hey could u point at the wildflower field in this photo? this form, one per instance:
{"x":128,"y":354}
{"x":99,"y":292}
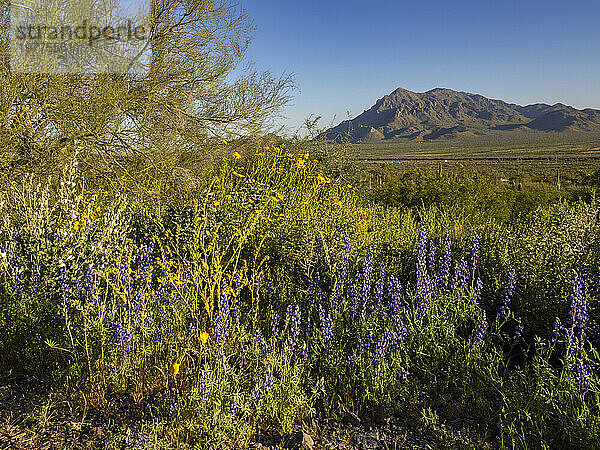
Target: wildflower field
{"x":268,"y":294}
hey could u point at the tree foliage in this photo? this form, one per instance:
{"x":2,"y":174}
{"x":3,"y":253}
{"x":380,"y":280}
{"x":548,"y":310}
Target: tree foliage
{"x":195,"y":85}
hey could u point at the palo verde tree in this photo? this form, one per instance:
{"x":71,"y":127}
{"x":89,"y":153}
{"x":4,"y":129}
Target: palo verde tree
{"x":186,"y":83}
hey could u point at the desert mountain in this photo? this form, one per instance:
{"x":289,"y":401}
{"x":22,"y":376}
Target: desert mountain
{"x":444,"y":113}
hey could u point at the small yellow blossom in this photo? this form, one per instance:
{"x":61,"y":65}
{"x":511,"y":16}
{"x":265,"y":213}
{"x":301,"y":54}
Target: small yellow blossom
{"x":175,"y":368}
{"x":323,"y":179}
{"x":204,"y":337}
{"x":236,"y":155}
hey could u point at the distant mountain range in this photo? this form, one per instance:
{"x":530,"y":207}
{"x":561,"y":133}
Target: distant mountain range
{"x":446,"y":114}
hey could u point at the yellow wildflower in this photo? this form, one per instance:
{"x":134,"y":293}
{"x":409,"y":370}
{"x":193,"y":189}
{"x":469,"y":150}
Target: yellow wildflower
{"x":204,"y":337}
{"x":322,"y":179}
{"x":236,"y":155}
{"x":175,"y":368}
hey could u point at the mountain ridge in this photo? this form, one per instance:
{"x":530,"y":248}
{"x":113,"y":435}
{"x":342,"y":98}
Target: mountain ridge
{"x":443,"y":113}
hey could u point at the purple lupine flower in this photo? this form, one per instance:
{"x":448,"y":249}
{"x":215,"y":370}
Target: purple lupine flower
{"x":233,"y":408}
{"x":364,"y":345}
{"x":427,"y":294}
{"x":294,"y":316}
{"x":187,"y":277}
{"x":379,"y":287}
{"x":255,"y":395}
{"x":136,"y":318}
{"x":446,"y":261}
{"x":18,"y":286}
{"x":122,"y":336}
{"x":35,"y":273}
{"x":583,"y":372}
{"x":242,"y":360}
{"x":304,"y":352}
{"x":274,"y":325}
{"x":389,"y":342}
{"x":579,"y":306}
{"x":269,"y":381}
{"x":260,"y":343}
{"x":395,"y":297}
{"x":315,"y":293}
{"x":367,"y":279}
{"x":557,"y":330}
{"x":270,"y":288}
{"x":79,"y":285}
{"x":353,"y":298}
{"x":203,"y":389}
{"x":173,"y":408}
{"x":222,"y":323}
{"x":145,"y":261}
{"x":90,"y":286}
{"x":326,"y":326}
{"x":518,"y":331}
{"x":510,"y":290}
{"x":346,"y":243}
{"x":476,"y":294}
{"x":161,"y":330}
{"x":320,"y":384}
{"x":461,"y":275}
{"x":480,"y":330}
{"x":129,"y":441}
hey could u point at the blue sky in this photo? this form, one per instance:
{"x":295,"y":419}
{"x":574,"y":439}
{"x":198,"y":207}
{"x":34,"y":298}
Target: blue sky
{"x":347,"y":54}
